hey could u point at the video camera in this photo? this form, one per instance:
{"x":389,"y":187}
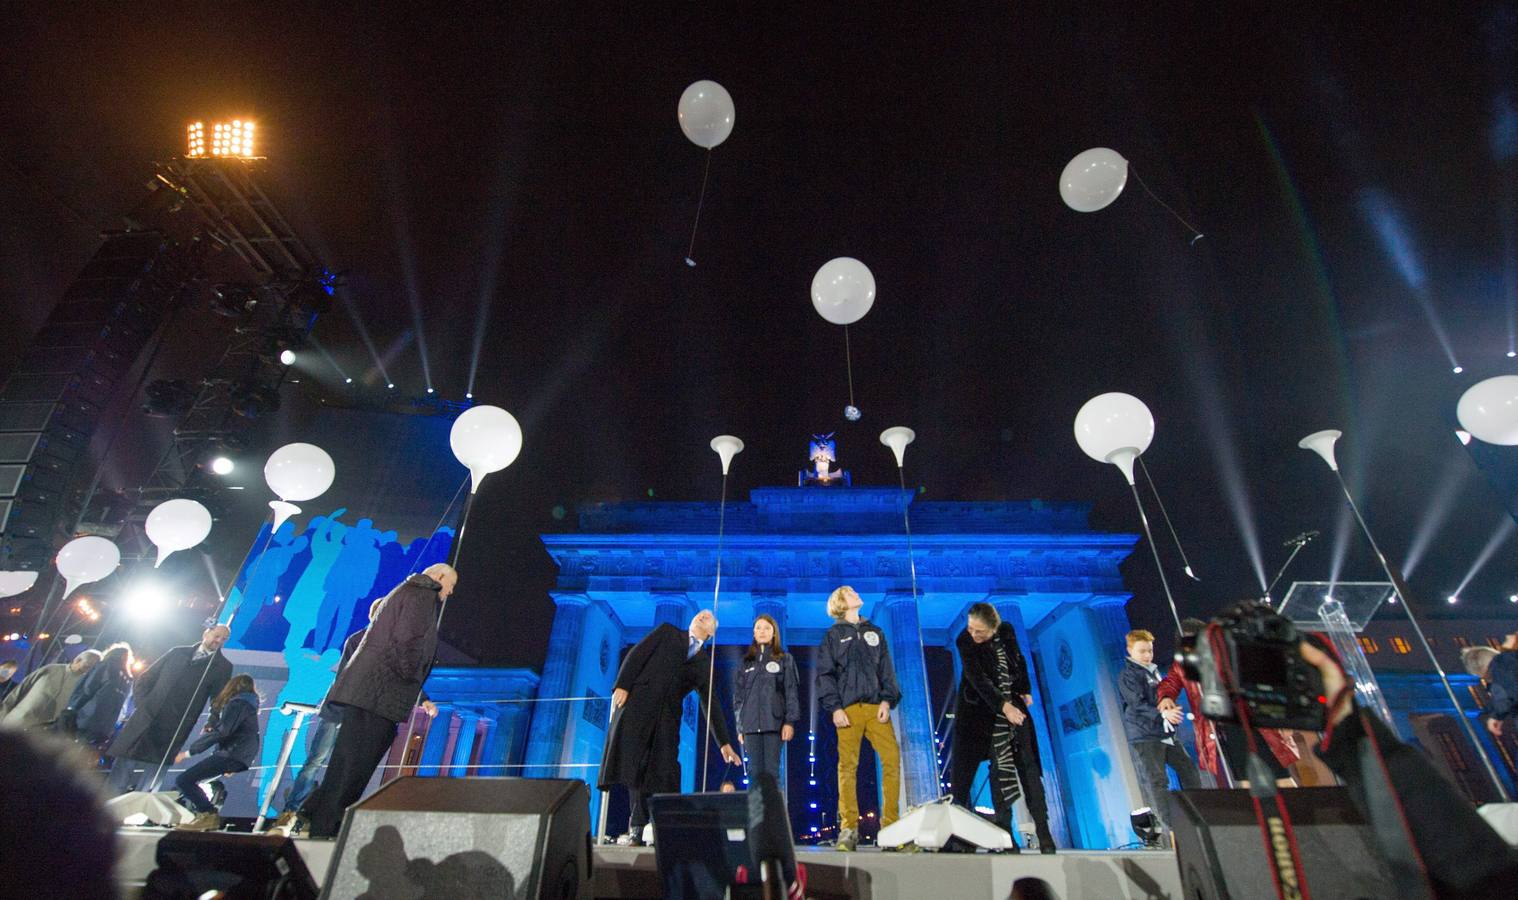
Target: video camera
{"x":1249,"y":656}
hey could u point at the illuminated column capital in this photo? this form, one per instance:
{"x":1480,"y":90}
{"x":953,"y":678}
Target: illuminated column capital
{"x":673,"y":607}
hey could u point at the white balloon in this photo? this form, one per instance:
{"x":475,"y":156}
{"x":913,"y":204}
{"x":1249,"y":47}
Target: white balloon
{"x":297,"y":472}
{"x":727,"y":447}
{"x":1093,"y":179}
{"x":85,"y":560}
{"x":177,"y":525}
{"x":1115,"y":428}
{"x":1489,"y":410}
{"x":843,"y":290}
{"x":706,"y":113}
{"x":485,"y":439}
{"x":13,"y":583}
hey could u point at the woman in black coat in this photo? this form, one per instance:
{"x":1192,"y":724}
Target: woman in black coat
{"x":991,"y":723}
{"x":766,"y":701}
{"x":232,"y":731}
{"x":95,"y":705}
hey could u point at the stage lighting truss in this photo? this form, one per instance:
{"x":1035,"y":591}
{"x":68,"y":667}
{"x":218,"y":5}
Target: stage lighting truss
{"x":232,"y":139}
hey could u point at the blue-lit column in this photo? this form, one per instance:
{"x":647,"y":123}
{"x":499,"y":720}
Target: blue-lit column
{"x":545,"y":739}
{"x":1109,"y":613}
{"x":914,"y":714}
{"x":1009,"y":607}
{"x":463,"y":745}
{"x":675,"y":608}
{"x":435,"y":744}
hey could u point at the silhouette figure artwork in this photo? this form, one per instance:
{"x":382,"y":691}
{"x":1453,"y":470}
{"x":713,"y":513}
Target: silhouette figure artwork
{"x":459,"y":876}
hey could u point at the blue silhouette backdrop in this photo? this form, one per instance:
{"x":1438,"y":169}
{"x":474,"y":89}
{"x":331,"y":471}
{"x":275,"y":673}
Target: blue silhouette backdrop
{"x":304,"y":593}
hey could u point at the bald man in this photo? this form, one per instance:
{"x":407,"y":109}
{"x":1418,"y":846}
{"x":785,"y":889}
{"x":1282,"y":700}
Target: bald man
{"x":168,"y":699}
{"x":376,"y":691}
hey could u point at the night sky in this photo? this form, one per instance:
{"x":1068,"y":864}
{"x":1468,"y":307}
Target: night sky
{"x":517,"y":173}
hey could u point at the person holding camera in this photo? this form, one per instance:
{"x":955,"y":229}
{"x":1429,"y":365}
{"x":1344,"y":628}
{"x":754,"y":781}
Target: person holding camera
{"x":1151,"y":733}
{"x":1220,"y":742}
{"x":1499,"y":668}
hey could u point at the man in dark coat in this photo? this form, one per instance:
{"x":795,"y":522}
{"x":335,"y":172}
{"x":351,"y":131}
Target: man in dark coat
{"x":377,"y":690}
{"x":991,"y":723}
{"x":643,"y":742}
{"x":169,"y":698}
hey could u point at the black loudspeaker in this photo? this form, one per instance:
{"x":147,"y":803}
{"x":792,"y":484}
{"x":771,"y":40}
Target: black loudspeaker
{"x":1222,"y":852}
{"x":464,"y":838}
{"x":240,"y":866}
{"x":700,"y":840}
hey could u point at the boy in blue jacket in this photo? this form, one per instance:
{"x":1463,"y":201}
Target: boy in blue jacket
{"x":1151,"y":733}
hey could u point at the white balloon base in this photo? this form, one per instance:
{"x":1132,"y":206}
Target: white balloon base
{"x":1503,"y":817}
{"x":144,"y":808}
{"x":932,"y":825}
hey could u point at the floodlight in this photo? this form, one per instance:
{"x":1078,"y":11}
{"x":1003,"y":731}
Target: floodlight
{"x":234,"y":138}
{"x":287,"y":357}
{"x":222,"y":465}
{"x":146,"y":602}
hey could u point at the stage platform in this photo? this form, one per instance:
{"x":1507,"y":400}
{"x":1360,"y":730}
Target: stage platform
{"x":622,"y":872}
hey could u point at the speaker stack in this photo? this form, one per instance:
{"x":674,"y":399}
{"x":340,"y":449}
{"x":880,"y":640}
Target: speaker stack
{"x":465,"y":838}
{"x":1222,"y":853}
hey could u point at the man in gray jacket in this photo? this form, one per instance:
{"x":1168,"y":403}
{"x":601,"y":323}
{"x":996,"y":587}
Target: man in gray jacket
{"x":377,"y":691}
{"x":37,"y":701}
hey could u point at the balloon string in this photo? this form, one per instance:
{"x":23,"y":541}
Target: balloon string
{"x":689,"y":259}
{"x":1173,"y":536}
{"x":1134,"y":172}
{"x":848,"y":363}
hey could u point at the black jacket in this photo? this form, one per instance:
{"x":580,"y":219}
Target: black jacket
{"x":643,"y":741}
{"x":1502,"y":688}
{"x":768,"y":693}
{"x":1138,"y":692}
{"x":980,"y":695}
{"x":386,"y":672}
{"x":96,"y":702}
{"x":854,"y":666}
{"x":1402,"y":795}
{"x":169,"y":697}
{"x":328,"y":711}
{"x":233,"y":730}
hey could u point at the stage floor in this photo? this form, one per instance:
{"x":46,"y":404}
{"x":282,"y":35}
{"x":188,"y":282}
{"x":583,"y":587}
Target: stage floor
{"x":622,"y":872}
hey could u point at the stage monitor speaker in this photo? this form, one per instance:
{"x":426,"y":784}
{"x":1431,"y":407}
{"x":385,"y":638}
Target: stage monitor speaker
{"x":1222,"y":853}
{"x":465,"y":838}
{"x":700,"y":840}
{"x":192,"y":864}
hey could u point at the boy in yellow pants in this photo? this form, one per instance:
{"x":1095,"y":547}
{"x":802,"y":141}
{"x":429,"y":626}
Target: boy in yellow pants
{"x":856,"y":687}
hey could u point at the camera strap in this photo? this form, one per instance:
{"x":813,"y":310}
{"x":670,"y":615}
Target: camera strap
{"x":1281,"y":851}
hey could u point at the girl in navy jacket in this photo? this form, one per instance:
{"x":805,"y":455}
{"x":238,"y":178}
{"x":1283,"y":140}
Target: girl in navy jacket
{"x":233,"y":731}
{"x":767,"y":702}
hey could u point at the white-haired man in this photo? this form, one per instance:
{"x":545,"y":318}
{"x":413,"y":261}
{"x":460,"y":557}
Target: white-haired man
{"x":643,"y":742}
{"x":37,"y":701}
{"x":377,"y":690}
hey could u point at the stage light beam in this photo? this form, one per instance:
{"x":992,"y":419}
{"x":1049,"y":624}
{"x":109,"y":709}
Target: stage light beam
{"x":1504,"y":530}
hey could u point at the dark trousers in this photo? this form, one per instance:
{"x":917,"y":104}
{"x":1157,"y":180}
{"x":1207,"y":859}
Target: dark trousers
{"x":637,"y":800}
{"x":212,"y":766}
{"x":1150,"y":759}
{"x":361,"y":744}
{"x":972,"y":746}
{"x":129,"y":775}
{"x":763,"y":751}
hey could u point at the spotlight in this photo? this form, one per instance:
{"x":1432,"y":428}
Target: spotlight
{"x":391,"y":385}
{"x":1512,"y":353}
{"x":1512,"y":598}
{"x":347,"y":381}
{"x":146,"y":602}
{"x":287,"y":357}
{"x":222,"y":466}
{"x":469,"y":396}
{"x":1452,"y":599}
{"x":429,"y":390}
{"x":1458,"y":369}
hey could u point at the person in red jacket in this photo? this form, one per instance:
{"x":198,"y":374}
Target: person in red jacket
{"x":1229,"y":736}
